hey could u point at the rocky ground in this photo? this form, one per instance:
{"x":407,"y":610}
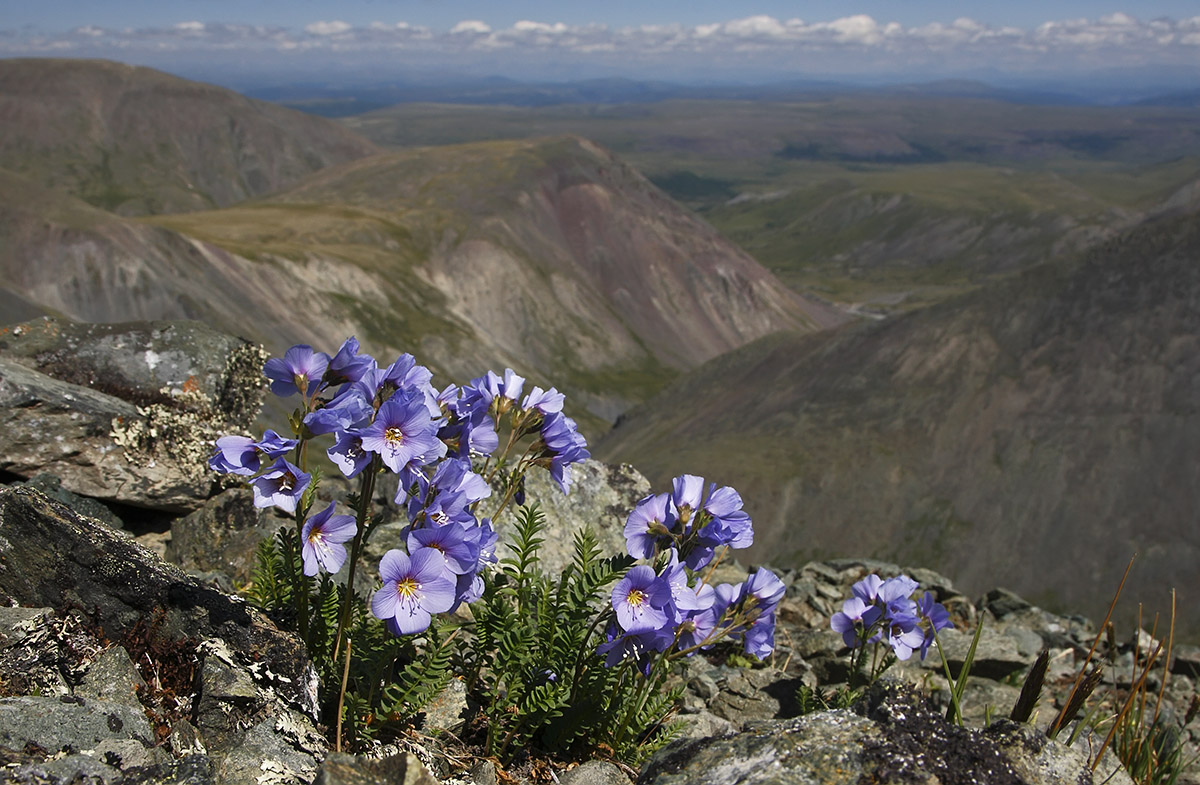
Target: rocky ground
{"x":117,"y":666}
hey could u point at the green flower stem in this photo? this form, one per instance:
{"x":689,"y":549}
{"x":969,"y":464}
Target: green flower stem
{"x":523,"y":465}
{"x":366,"y":491}
{"x":642,"y":693}
{"x":583,"y":647}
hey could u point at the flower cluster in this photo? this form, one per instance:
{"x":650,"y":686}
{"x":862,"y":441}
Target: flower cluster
{"x":882,"y":612}
{"x":670,"y":607}
{"x":392,"y":419}
{"x":693,"y":520}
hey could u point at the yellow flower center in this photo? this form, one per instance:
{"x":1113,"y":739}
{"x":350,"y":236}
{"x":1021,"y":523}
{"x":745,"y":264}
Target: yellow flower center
{"x":407,"y":588}
{"x":393,"y":435}
{"x":636,"y":597}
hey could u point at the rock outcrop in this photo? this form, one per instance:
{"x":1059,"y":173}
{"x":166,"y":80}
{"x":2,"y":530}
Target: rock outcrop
{"x":124,"y":413}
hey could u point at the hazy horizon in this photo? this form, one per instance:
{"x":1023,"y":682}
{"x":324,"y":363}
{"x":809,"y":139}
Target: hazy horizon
{"x":1021,"y":43}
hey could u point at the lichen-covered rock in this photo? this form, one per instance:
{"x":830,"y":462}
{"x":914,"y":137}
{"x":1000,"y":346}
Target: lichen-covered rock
{"x":601,"y":497}
{"x":892,"y":736}
{"x":342,"y":769}
{"x":124,"y":413}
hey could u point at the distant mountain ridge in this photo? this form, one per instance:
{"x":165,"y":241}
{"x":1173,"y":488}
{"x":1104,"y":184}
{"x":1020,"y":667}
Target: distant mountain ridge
{"x":136,"y":141}
{"x":551,"y":256}
{"x":1033,"y":435}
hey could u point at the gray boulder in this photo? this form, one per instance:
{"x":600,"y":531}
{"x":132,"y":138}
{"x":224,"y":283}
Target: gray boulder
{"x":601,"y":497}
{"x":124,"y":413}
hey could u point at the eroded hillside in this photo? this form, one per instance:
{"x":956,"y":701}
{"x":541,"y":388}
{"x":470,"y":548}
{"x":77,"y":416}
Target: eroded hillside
{"x":1032,"y":435}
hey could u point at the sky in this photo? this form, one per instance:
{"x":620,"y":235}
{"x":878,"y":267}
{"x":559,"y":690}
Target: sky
{"x":678,"y":40}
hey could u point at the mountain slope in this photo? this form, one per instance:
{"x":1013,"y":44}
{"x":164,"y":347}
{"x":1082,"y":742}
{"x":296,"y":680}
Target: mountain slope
{"x":1034,"y":434}
{"x":62,"y":256}
{"x":551,"y":256}
{"x":137,"y":141}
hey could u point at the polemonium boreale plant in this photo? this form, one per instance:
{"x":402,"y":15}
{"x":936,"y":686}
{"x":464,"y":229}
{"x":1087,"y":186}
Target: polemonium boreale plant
{"x":375,"y":422}
{"x":883,"y":616}
{"x":575,"y":662}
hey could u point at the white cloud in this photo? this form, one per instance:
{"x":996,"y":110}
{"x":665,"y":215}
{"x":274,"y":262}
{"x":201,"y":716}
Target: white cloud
{"x":851,"y":43}
{"x":335,"y":27}
{"x":755,"y":26}
{"x":471,"y":26}
{"x":527,"y":26}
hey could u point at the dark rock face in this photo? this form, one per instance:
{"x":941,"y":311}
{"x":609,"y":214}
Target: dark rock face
{"x":120,"y":584}
{"x":221,"y":536}
{"x":124,"y":413}
{"x":248,"y":686}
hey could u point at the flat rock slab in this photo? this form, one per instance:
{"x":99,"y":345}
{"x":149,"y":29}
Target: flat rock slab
{"x":68,"y":724}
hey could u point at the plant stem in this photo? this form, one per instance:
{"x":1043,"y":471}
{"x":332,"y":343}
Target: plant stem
{"x":511,"y":487}
{"x":337,"y":740}
{"x":366,"y":491}
{"x":1059,"y":720}
{"x":607,"y":614}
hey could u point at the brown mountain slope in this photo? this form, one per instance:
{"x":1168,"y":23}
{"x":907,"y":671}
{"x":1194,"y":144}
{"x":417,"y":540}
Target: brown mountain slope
{"x":1033,"y":435}
{"x":138,"y":141}
{"x":551,"y":257}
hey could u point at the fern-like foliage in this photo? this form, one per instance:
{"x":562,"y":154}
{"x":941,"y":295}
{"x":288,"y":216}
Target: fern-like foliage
{"x":537,"y":675}
{"x":271,"y":578}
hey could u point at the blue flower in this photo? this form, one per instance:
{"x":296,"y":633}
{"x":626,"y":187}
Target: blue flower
{"x":348,"y":454}
{"x":545,"y":401}
{"x":459,"y":546}
{"x":446,"y":496}
{"x":648,"y":525}
{"x":235,"y":455}
{"x":403,"y":432}
{"x":322,"y":536}
{"x":281,"y":485}
{"x":687,"y":496}
{"x":242,"y":455}
{"x":641,"y":599}
{"x":759,"y":640}
{"x":413,"y":589}
{"x":766,"y":590}
{"x":300,"y":371}
{"x":638,"y":646}
{"x":349,"y":408}
{"x":348,"y":365}
{"x":855,"y":620}
{"x":559,"y":446}
{"x":934,"y":617}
